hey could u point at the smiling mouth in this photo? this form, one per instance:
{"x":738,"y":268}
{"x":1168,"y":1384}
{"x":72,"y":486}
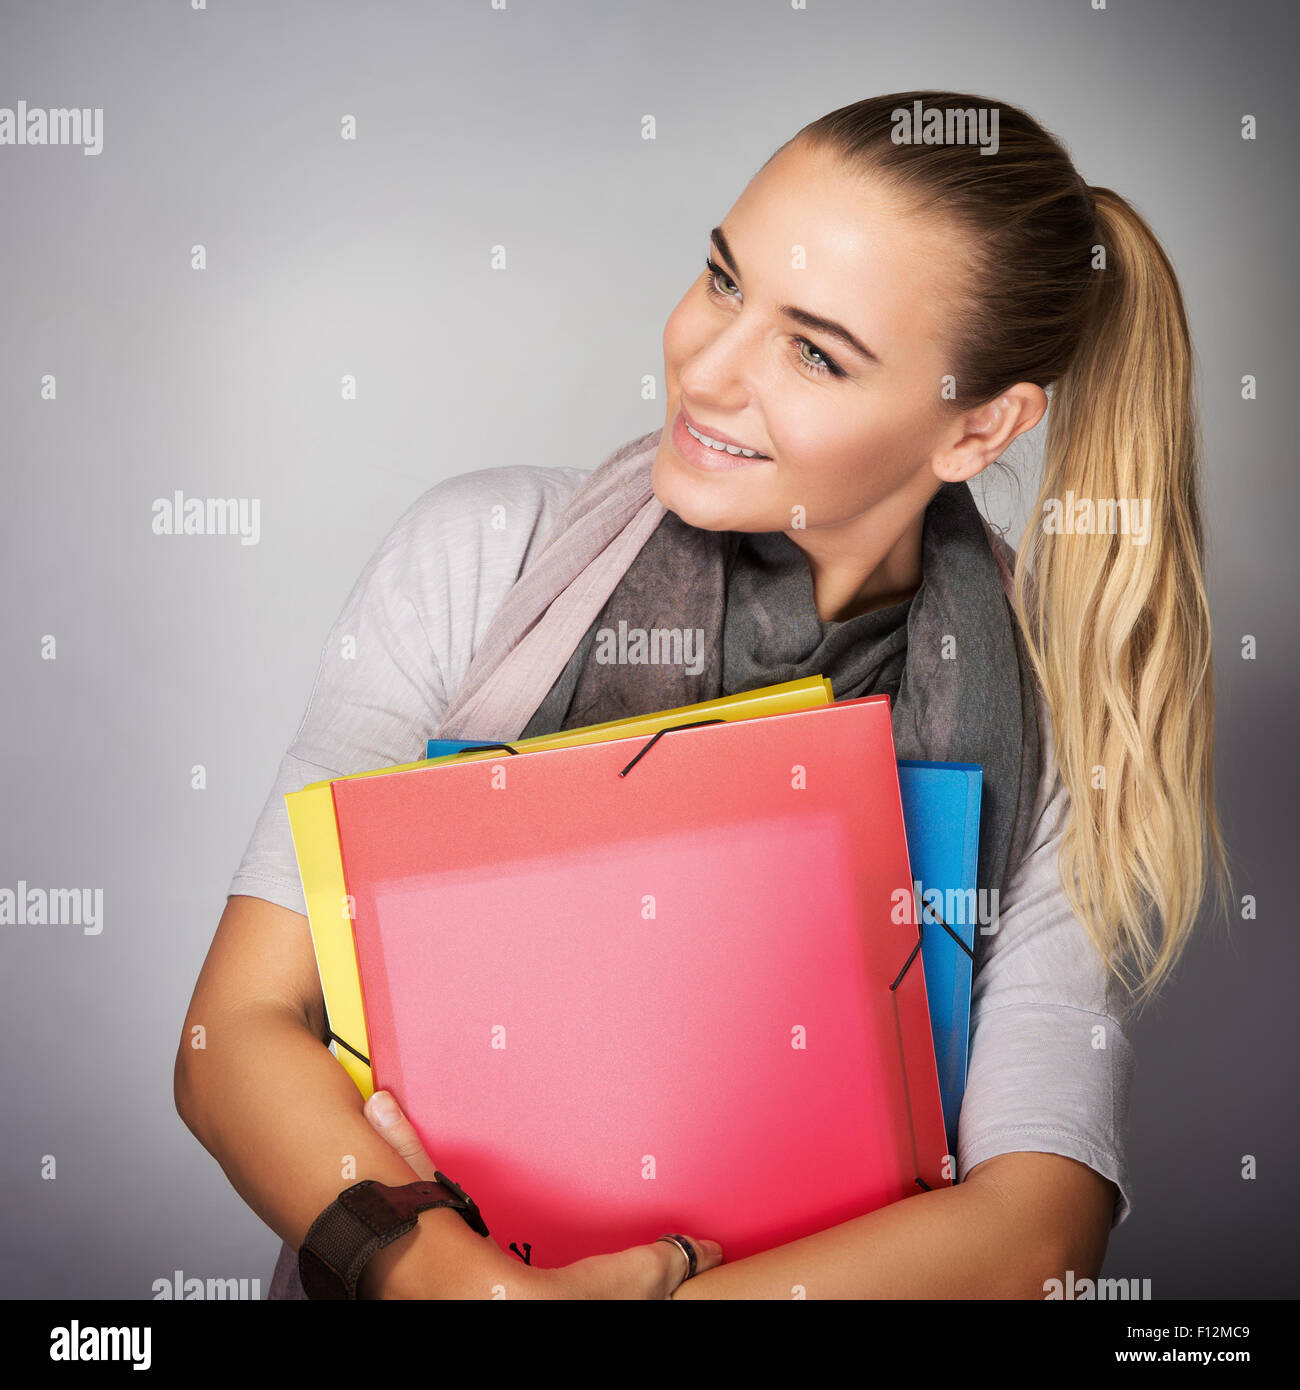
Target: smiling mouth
{"x":722,"y":448}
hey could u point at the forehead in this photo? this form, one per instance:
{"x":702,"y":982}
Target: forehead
{"x":870,"y":260}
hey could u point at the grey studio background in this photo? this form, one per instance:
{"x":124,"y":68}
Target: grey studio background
{"x":518,"y":126}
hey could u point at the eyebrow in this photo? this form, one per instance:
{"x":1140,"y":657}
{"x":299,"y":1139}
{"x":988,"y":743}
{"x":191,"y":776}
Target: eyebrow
{"x":800,"y":316}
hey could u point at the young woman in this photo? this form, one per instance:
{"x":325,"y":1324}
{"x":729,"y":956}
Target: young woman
{"x":882,"y":313}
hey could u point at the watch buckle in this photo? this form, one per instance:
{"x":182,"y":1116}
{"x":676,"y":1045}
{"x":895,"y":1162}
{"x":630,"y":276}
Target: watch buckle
{"x":473,"y":1215}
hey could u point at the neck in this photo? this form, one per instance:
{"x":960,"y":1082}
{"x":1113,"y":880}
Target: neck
{"x":870,"y":563}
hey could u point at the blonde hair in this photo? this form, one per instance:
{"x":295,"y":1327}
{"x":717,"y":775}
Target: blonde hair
{"x":1072,"y":291}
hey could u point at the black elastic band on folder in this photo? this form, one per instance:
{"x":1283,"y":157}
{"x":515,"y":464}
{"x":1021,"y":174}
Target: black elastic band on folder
{"x":348,"y":1047}
{"x":334,"y":1037}
{"x":672,"y":728}
{"x":483,"y":748}
{"x":920,"y":934}
{"x":907,"y":964}
{"x":926,"y":908}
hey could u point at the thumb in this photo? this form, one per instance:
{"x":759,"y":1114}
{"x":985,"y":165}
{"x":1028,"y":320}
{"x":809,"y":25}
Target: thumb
{"x":385,"y":1116}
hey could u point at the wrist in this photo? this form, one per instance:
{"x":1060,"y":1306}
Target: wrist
{"x":415,"y":1265}
{"x":419,"y":1265}
{"x":389,"y":1272}
{"x":371,"y":1218}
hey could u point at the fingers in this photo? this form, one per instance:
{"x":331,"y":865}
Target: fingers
{"x":385,"y":1116}
{"x":654,"y":1271}
{"x":708,"y":1255}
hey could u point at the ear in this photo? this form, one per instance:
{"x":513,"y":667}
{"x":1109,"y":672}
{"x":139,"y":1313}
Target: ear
{"x":980,"y":436}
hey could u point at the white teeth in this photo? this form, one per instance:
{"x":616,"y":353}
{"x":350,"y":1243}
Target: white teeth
{"x":724,"y":448}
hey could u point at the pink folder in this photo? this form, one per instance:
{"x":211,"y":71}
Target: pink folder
{"x":618,"y":1005}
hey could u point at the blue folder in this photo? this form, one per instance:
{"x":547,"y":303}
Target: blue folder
{"x":941,"y":814}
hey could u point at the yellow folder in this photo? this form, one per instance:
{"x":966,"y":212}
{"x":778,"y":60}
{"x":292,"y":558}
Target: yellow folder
{"x":320,"y":863}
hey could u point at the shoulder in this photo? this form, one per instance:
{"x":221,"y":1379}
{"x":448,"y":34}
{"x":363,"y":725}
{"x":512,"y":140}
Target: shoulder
{"x":510,"y":507}
{"x":443,"y":568}
{"x":520,"y":485}
{"x":471,"y":536}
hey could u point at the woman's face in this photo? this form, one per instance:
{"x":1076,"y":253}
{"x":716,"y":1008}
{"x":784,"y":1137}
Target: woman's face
{"x":849,"y":439}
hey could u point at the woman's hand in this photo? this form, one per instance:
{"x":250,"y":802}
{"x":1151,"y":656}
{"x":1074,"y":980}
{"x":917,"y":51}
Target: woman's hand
{"x":642,"y":1271}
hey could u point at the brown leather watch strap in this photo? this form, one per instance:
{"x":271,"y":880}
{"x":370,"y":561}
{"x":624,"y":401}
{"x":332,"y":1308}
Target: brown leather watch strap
{"x":361,"y":1221}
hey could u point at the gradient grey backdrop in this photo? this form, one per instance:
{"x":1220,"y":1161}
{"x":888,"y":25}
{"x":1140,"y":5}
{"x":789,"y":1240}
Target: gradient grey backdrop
{"x":519,"y":127}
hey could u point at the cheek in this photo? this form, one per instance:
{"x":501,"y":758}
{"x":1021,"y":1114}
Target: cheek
{"x":822,"y":439}
{"x":839,"y":454}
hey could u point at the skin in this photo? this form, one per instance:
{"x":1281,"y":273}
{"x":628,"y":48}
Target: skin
{"x":861,"y":455}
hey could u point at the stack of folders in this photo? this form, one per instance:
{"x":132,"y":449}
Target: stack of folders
{"x":665,"y":973}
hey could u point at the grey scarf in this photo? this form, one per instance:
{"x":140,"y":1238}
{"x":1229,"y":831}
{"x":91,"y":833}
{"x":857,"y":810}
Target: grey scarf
{"x":699,"y":614}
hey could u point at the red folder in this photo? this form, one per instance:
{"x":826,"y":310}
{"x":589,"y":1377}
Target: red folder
{"x":655,"y":984}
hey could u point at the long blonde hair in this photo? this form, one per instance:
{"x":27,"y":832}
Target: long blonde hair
{"x":1072,"y":292}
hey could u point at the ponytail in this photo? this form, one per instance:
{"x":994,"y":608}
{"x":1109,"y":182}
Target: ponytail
{"x":1118,"y":626}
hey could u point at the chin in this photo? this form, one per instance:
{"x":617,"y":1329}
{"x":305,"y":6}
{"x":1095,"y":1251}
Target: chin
{"x":704,"y":503}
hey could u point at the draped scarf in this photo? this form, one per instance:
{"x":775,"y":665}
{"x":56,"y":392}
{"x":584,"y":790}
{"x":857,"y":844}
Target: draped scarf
{"x":628,"y":610}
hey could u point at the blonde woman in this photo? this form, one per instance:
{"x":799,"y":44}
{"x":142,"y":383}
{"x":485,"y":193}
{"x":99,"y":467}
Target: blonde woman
{"x":884,"y":310}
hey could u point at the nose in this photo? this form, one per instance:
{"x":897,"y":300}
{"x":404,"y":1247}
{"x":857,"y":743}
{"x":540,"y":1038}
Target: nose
{"x":717,"y":374}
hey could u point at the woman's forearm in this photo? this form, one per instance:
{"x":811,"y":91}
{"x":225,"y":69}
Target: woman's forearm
{"x":285,"y":1122}
{"x":1000,"y":1234}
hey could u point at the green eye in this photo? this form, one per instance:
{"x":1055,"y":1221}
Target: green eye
{"x":722,"y":275}
{"x":823,"y":367}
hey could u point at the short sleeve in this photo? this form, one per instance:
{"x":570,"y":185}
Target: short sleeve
{"x":1051,"y":1065}
{"x":405,"y":637}
{"x":377,"y":693}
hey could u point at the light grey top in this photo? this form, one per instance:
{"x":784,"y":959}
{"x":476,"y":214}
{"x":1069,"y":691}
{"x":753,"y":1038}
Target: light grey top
{"x":1050,"y":1065}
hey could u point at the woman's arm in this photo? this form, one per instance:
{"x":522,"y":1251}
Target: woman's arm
{"x":1016,"y":1221}
{"x":266,"y":1098}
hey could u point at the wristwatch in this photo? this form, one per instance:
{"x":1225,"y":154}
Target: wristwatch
{"x":361,"y":1221}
